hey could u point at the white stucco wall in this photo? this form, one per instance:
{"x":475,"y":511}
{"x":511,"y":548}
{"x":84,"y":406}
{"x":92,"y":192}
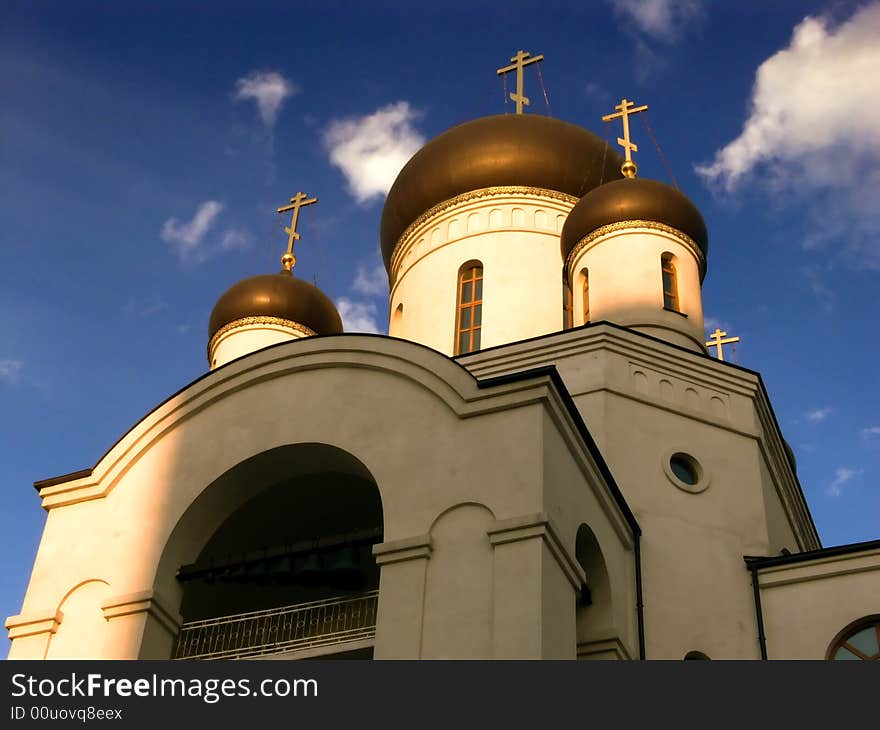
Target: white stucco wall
{"x":459,"y":469}
{"x":516,"y":238}
{"x":626,"y":284}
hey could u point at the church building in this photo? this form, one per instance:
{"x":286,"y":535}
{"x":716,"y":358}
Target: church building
{"x":540,"y":460}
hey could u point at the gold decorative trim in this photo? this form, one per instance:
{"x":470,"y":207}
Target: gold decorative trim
{"x":626,"y":225}
{"x":471,"y":195}
{"x":247,"y":321}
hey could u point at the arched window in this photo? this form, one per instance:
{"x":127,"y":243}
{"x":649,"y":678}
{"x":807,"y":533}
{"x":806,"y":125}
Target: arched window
{"x":469,"y":313}
{"x":670,"y":283}
{"x":567,"y":304}
{"x":586,"y":295}
{"x":858,"y":641}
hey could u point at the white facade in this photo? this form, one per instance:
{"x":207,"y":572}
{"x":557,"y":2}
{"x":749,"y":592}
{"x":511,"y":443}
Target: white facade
{"x":589,"y":493}
{"x":514,"y":234}
{"x":623,"y":264}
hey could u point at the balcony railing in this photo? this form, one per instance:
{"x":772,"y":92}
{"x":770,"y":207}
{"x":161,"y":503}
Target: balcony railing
{"x":328,"y":622}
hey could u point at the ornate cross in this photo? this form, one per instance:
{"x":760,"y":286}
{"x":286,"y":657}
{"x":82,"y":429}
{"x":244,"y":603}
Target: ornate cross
{"x":624,"y":109}
{"x":520,"y":61}
{"x":717,"y":341}
{"x":296,"y":202}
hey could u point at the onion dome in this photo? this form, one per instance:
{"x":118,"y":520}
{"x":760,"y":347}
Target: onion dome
{"x":523,"y":150}
{"x":280,"y":296}
{"x":633,"y":199}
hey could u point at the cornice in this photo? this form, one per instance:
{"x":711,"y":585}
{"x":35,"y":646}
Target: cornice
{"x":469,"y":197}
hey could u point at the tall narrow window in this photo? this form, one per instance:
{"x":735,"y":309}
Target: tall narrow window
{"x":469,"y":317}
{"x":670,"y":284}
{"x":586,"y":295}
{"x":567,"y":304}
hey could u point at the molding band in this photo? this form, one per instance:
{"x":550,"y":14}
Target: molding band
{"x":496,"y":191}
{"x":43,"y":622}
{"x":142,"y":602}
{"x":250,"y":321}
{"x":534,"y":526}
{"x":629,"y":225}
{"x":398,"y":551}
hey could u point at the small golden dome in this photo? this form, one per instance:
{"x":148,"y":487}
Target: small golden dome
{"x":633,"y":199}
{"x":279,"y":295}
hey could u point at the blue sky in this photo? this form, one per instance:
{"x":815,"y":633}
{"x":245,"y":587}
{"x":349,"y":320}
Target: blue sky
{"x":144,"y":148}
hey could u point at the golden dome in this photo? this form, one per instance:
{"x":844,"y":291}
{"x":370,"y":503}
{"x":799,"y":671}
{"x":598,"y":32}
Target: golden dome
{"x":279,"y":295}
{"x":505,"y":150}
{"x":636,"y":199}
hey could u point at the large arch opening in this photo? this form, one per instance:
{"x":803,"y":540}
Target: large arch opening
{"x":275,"y":558}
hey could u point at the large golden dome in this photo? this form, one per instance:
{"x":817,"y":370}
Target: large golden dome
{"x":281,"y":295}
{"x":505,"y":150}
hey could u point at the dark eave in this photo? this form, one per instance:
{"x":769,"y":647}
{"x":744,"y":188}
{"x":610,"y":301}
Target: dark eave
{"x":758,"y":562}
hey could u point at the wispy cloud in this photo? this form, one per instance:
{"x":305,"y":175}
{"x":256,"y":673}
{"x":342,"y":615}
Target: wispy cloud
{"x":186,"y":238}
{"x":817,"y":414}
{"x":10,"y":371}
{"x":268,"y":89}
{"x":841,"y":477}
{"x":370,"y":150}
{"x":802,"y":136}
{"x":664,"y":20}
{"x":871,"y":432}
{"x":371,"y":280}
{"x":235,"y":240}
{"x":713,"y":323}
{"x":145,"y":308}
{"x":358,"y":316}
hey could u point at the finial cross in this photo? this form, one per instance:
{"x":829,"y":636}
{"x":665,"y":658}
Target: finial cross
{"x":298,"y":201}
{"x":624,"y":109}
{"x":717,"y":341}
{"x":519,"y":62}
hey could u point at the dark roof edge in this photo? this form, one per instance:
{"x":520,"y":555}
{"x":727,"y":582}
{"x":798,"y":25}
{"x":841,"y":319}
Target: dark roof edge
{"x":52,"y":481}
{"x":759,"y":562}
{"x":551,"y":372}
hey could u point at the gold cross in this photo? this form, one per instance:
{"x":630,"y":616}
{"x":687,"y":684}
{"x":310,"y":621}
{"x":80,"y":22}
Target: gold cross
{"x":625,"y":108}
{"x":297,"y":201}
{"x":717,"y":341}
{"x":520,"y":61}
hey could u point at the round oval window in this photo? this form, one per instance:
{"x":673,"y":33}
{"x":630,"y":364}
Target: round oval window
{"x":685,"y":469}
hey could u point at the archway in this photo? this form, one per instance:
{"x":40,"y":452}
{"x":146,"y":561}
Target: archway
{"x":595,"y":612}
{"x":275,"y":557}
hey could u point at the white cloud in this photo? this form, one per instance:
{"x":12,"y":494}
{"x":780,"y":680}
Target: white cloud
{"x":841,"y":477}
{"x":233,"y":239}
{"x":371,"y":150}
{"x":268,"y":89}
{"x":358,"y":316}
{"x":819,"y":92}
{"x":870,"y":431}
{"x":663,"y":19}
{"x":814,"y":126}
{"x":817,"y":414}
{"x":10,"y":371}
{"x":186,"y":238}
{"x":371,"y":281}
{"x":713,"y":323}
